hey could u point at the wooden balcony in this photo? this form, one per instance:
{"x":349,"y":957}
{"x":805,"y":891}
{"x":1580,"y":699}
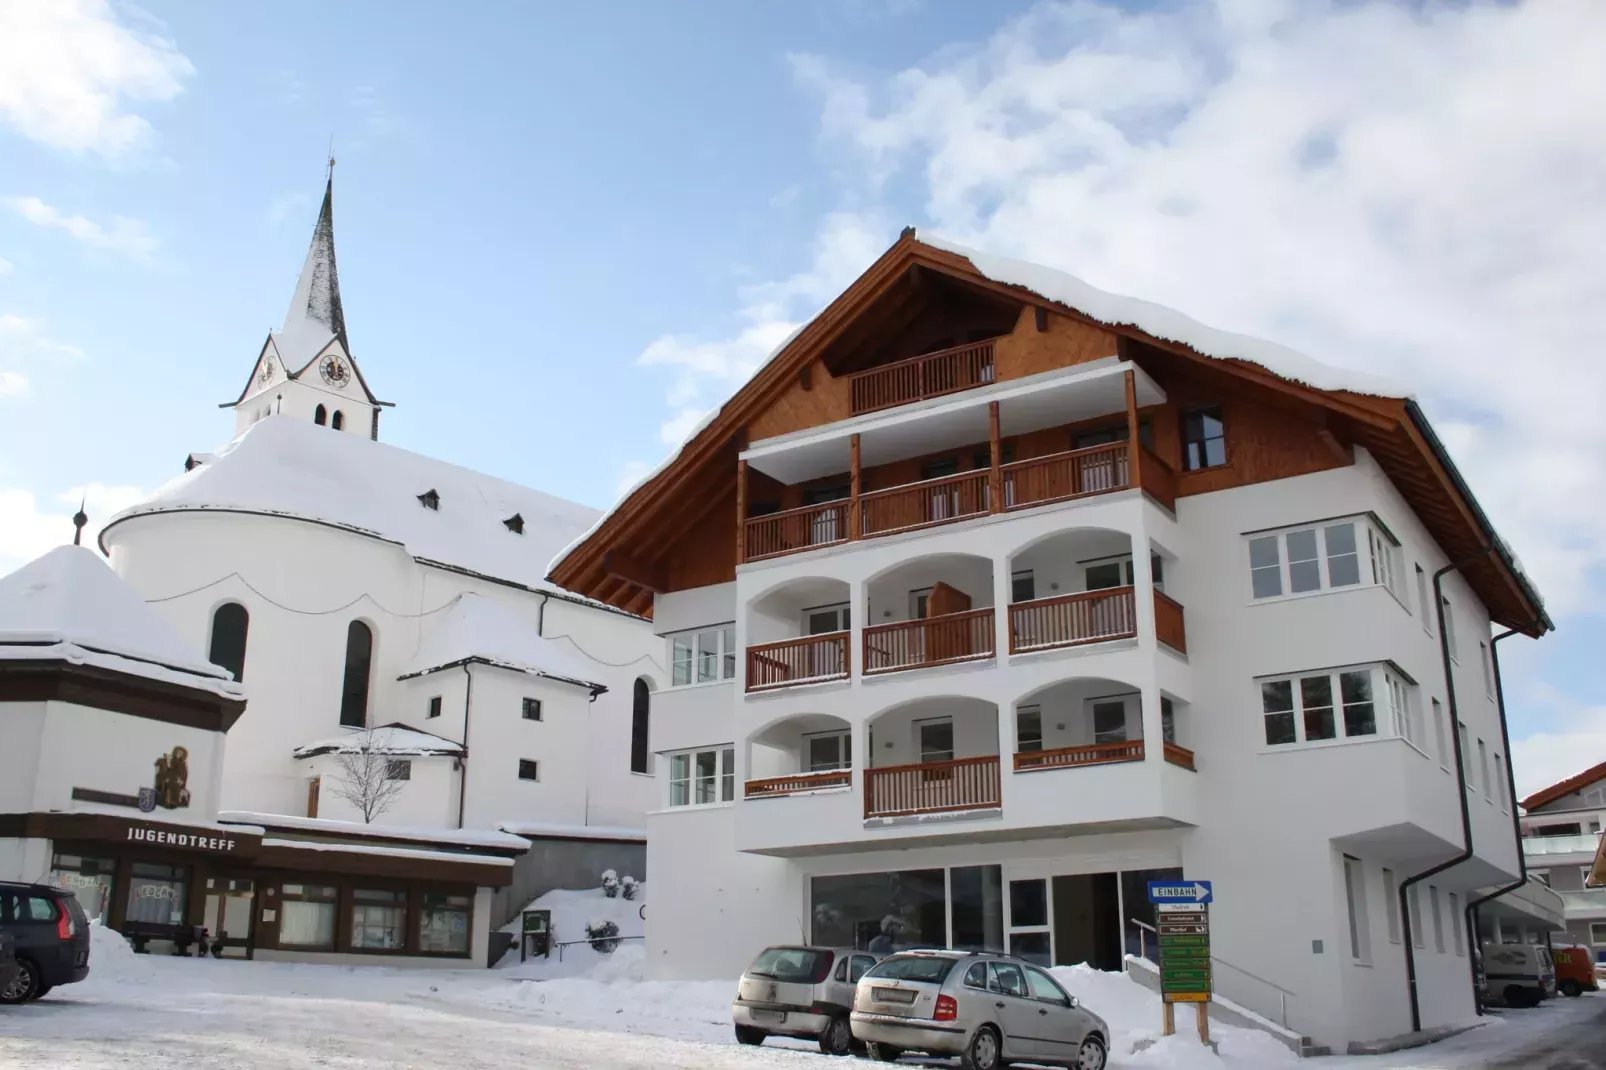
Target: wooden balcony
{"x":799,"y":783}
{"x":1072,"y":620}
{"x":796,"y":530}
{"x":932,"y":787}
{"x":925,"y":504}
{"x":1179,"y":756}
{"x":1068,"y":757}
{"x":1168,"y":622}
{"x":918,"y":644}
{"x":929,"y":375}
{"x":810,"y":660}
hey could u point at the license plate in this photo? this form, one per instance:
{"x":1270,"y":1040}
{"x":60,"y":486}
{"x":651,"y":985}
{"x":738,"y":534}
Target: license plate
{"x":768,"y":1016}
{"x":893,"y":995}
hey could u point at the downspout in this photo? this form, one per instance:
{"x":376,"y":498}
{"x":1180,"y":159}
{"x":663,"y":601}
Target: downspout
{"x":462,"y":776}
{"x":1461,"y":788}
{"x":540,"y":616}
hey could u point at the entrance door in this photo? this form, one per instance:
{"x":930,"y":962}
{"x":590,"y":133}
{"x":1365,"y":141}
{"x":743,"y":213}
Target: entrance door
{"x":1087,"y":925}
{"x":312,"y":796}
{"x":229,"y":915}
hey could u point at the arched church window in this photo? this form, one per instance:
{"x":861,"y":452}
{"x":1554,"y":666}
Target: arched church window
{"x":338,"y":420}
{"x":640,"y":706}
{"x":354,"y":691}
{"x":230,"y":622}
{"x":319,"y":415}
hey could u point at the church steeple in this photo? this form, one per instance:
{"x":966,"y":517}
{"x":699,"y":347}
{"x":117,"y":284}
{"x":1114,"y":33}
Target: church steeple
{"x":305,"y":369}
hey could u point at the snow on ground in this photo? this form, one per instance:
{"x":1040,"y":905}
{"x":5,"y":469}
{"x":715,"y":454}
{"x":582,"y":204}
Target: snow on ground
{"x":572,"y":911}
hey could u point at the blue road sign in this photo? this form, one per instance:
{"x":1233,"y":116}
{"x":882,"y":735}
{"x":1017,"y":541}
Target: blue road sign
{"x":1180,"y":892}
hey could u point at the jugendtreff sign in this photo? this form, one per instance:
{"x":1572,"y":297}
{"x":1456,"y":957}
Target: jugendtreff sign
{"x":196,"y":841}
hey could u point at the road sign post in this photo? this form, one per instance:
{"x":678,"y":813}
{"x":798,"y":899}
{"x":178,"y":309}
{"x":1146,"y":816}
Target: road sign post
{"x":1183,"y":930}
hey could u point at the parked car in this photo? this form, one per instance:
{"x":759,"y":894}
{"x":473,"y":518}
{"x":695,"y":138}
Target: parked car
{"x":1518,"y":975}
{"x":8,"y":960}
{"x":50,"y":936}
{"x":1575,"y":971}
{"x":802,"y":992}
{"x":989,"y":1009}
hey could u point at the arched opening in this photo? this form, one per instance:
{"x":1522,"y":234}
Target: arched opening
{"x":810,"y":752}
{"x":1081,"y":722}
{"x":1072,"y":588}
{"x":931,"y":610}
{"x":933,"y":755}
{"x":230,"y":623}
{"x":354,"y":690}
{"x":798,"y":633}
{"x":320,"y":415}
{"x":338,"y":420}
{"x":640,"y":715}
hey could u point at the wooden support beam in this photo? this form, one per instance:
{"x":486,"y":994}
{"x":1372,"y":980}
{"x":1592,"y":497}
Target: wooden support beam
{"x":1134,"y":446}
{"x":741,"y":511}
{"x":855,"y":527}
{"x":633,"y":570}
{"x":639,"y":604}
{"x":1042,"y":318}
{"x":995,"y":477}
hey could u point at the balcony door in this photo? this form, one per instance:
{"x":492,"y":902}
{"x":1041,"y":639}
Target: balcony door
{"x":828,"y":525}
{"x":1109,"y":718}
{"x":825,"y":659}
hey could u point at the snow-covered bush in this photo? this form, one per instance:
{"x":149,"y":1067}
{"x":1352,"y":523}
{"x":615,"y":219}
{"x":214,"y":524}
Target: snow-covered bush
{"x":610,"y":884}
{"x":628,"y":886}
{"x":603,"y":934}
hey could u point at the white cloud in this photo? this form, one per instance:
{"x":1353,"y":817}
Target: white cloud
{"x":27,"y":530}
{"x":1544,"y":758}
{"x":25,"y":338}
{"x":13,"y":384}
{"x":128,"y":237}
{"x":69,"y":69}
{"x":5,"y":265}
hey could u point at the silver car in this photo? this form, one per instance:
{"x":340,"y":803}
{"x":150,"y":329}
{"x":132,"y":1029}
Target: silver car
{"x":989,"y":1009}
{"x":802,"y":992}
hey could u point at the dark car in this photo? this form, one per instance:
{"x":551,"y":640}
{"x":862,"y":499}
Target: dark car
{"x":50,"y":938}
{"x":8,"y":960}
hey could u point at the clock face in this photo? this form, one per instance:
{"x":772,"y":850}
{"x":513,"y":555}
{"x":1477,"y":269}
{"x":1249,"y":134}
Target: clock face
{"x":266,"y":374}
{"x":335,"y":371}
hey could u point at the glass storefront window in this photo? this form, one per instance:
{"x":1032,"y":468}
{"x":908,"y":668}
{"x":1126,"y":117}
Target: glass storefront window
{"x":881,"y":911}
{"x":443,"y":923}
{"x":157,"y":894}
{"x":378,"y":919}
{"x":90,"y":878}
{"x":978,"y":907}
{"x":1028,"y":903}
{"x":307,"y":916}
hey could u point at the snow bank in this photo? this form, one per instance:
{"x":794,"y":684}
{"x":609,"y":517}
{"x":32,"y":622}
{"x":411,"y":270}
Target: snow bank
{"x":572,"y":912}
{"x":112,"y":960}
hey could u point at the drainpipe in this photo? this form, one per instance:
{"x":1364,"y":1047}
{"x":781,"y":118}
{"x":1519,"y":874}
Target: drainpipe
{"x":462,"y":776}
{"x":1516,"y":821}
{"x":540,"y":617}
{"x":1460,"y":782}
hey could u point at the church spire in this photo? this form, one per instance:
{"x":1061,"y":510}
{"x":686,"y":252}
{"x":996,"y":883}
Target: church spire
{"x":315,"y":314}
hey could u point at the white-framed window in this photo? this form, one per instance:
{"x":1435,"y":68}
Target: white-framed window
{"x":828,"y":751}
{"x":1360,"y":932}
{"x":1022,"y":586}
{"x":703,"y":655}
{"x":1320,"y":557}
{"x":705,"y":777}
{"x":1483,"y":769}
{"x":823,"y":620}
{"x":1597,"y":932}
{"x":1334,"y":704}
{"x":1422,"y":600}
{"x":1413,"y":903}
{"x":1109,"y":720}
{"x":1440,"y":738}
{"x":1500,"y":782}
{"x":1402,"y":712}
{"x":1466,"y":755}
{"x":1029,"y":729}
{"x":399,"y":769}
{"x":1455,"y":924}
{"x":1438,"y":918}
{"x":1391,"y":905}
{"x":1595,"y":796}
{"x":1449,"y":630}
{"x":530,"y":708}
{"x":1488,"y":670}
{"x":935,"y":740}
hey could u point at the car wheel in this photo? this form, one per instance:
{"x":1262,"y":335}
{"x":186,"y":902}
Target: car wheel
{"x":984,"y":1052}
{"x":1091,"y":1055}
{"x":882,"y":1053}
{"x":24,"y":985}
{"x":41,"y":992}
{"x":746,"y":1034}
{"x":1571,"y":989}
{"x":837,"y":1037}
{"x":1516,"y":996}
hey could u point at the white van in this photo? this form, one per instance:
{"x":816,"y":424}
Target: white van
{"x":1518,"y":975}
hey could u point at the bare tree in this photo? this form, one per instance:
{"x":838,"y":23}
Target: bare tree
{"x":367,"y":776}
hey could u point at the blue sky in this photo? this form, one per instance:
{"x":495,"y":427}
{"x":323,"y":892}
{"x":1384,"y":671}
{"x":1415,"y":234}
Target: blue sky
{"x":565,"y":231}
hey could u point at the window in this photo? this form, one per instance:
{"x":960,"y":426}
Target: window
{"x":529,"y":769}
{"x":919,"y":603}
{"x":157,"y":893}
{"x":1329,"y":705}
{"x":1382,"y":553}
{"x":640,"y":716}
{"x":354,"y":688}
{"x":936,"y":739}
{"x":1028,"y":729}
{"x":1438,"y":733}
{"x":531,"y":709}
{"x":89,"y":878}
{"x":1109,"y":721}
{"x":1438,"y":918}
{"x":1465,"y":760}
{"x":443,"y":923}
{"x":1022,"y":586}
{"x":1488,"y":674}
{"x":826,"y":619}
{"x":1168,"y":720}
{"x":976,"y":907}
{"x":1391,"y":906}
{"x":1597,"y":932}
{"x":1595,"y":796}
{"x":434,"y":707}
{"x":881,"y":912}
{"x":1400,"y":712}
{"x":830,"y":750}
{"x":1106,"y":574}
{"x":399,"y":769}
{"x":704,"y":656}
{"x":1204,"y":439}
{"x":1449,"y":629}
{"x":702,"y":777}
{"x":320,"y":415}
{"x":1360,"y":935}
{"x":1006,"y":979}
{"x":515,"y":524}
{"x":338,"y":420}
{"x":1455,"y":924}
{"x":378,"y":919}
{"x":1413,"y":903}
{"x":976,"y":976}
{"x":1324,"y":558}
{"x":1043,"y":989}
{"x":230,"y":623}
{"x":1483,"y":769}
{"x":307,"y":916}
{"x":430,"y":499}
{"x":1422,"y":600}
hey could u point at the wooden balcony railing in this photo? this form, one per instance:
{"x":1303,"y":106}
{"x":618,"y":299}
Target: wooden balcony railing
{"x":926,"y":376}
{"x":925,"y":504}
{"x":1072,"y":619}
{"x":796,"y":529}
{"x":798,"y":783}
{"x":1158,"y":478}
{"x":915,"y":644}
{"x":1179,"y":755}
{"x":932,"y":787}
{"x":1066,"y":757}
{"x":1168,"y":622}
{"x":808,"y":660}
{"x":1060,"y":477}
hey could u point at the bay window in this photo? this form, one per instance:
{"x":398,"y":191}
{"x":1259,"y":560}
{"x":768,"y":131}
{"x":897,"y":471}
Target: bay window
{"x":1335,"y":704}
{"x":702,"y":656}
{"x":702,"y":777}
{"x":1322,"y":557}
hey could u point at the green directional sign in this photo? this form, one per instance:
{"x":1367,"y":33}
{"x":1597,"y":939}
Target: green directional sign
{"x":1183,"y":929}
{"x":1186,"y":979}
{"x":1178,"y":941}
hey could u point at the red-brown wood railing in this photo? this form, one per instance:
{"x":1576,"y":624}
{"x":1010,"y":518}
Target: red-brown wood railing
{"x":1067,"y":757}
{"x":1158,"y":478}
{"x":1072,"y":619}
{"x":808,"y":660}
{"x":1168,"y":627}
{"x":796,"y":529}
{"x":1060,"y":477}
{"x":929,"y":375}
{"x":1179,"y":755}
{"x":913,"y":644}
{"x":932,"y":787}
{"x":799,"y":782}
{"x":924,"y":504}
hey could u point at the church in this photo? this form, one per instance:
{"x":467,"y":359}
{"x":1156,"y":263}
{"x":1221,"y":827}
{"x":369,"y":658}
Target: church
{"x":398,"y":681}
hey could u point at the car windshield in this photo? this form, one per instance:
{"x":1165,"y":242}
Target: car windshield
{"x":792,"y":964}
{"x":914,"y":968}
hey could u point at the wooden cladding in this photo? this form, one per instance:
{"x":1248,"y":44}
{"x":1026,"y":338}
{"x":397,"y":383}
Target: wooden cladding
{"x":795,"y":530}
{"x":925,"y":504}
{"x":809,"y":660}
{"x":1168,"y":622}
{"x":932,"y":787}
{"x":799,"y":782}
{"x":940,"y":640}
{"x":1179,"y":756}
{"x":928,"y":376}
{"x":1067,"y":757}
{"x":1073,"y":619}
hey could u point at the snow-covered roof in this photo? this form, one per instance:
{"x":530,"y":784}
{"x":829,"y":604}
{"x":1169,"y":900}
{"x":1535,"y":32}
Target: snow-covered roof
{"x":466,"y":837}
{"x":546,"y":830}
{"x":389,"y":852}
{"x":392,"y":739}
{"x":479,"y":629}
{"x":69,"y":605}
{"x":281,"y":466}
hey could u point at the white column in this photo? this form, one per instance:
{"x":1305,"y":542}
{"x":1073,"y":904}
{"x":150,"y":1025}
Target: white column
{"x":1143,"y":597}
{"x":1001,"y":590}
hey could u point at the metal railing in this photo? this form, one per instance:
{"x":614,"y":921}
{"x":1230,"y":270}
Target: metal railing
{"x":1283,"y":994}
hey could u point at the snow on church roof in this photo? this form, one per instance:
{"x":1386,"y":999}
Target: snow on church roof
{"x":394,"y":739}
{"x":286,"y":467}
{"x":479,"y":629}
{"x":69,"y":605}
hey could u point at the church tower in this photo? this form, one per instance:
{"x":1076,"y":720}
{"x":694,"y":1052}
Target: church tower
{"x":305,"y":369}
